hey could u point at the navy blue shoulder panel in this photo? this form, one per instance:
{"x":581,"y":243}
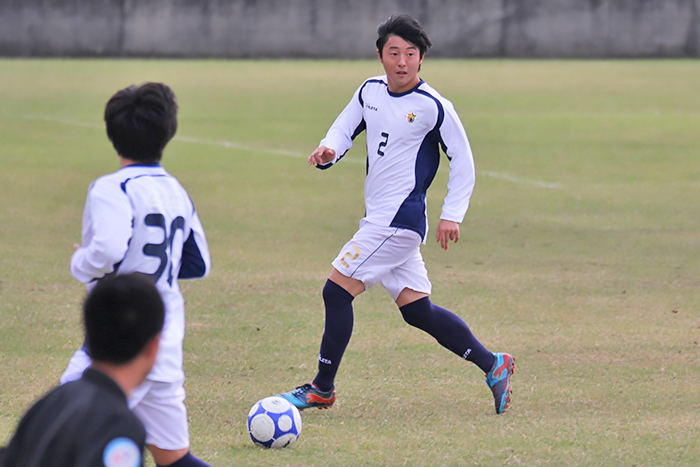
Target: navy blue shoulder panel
{"x":441,"y":109}
{"x":359,"y":94}
{"x":123,"y":184}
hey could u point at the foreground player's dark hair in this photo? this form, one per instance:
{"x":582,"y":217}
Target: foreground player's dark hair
{"x":121,"y":315}
{"x":141,"y":120}
{"x":407,"y":29}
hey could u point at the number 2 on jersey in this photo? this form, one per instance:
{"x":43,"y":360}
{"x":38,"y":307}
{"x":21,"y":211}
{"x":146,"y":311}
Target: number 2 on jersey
{"x":382,"y":144}
{"x":163,"y":250}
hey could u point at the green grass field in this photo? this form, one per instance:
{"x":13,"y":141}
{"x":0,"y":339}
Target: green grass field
{"x":580,"y":255}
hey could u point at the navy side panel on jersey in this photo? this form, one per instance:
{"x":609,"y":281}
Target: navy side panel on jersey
{"x":411,"y":214}
{"x":193,"y":264}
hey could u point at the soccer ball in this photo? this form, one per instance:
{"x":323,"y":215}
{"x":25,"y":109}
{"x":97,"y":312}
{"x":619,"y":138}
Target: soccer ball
{"x":274,"y":422}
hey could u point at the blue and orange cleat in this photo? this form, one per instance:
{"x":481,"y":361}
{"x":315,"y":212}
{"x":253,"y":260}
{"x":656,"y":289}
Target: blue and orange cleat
{"x":498,"y":380}
{"x":308,"y":395}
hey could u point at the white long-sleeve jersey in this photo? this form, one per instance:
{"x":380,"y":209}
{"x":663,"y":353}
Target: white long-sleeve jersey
{"x":140,"y":219}
{"x":404,"y":135}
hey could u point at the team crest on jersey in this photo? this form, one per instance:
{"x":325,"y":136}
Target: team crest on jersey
{"x":411,"y":117}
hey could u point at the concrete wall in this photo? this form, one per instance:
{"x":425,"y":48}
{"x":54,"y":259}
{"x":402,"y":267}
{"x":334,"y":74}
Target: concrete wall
{"x":347,"y":28}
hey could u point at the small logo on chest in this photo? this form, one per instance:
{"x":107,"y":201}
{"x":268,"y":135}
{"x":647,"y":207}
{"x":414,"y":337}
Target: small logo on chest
{"x":371,"y":107}
{"x":411,"y":117}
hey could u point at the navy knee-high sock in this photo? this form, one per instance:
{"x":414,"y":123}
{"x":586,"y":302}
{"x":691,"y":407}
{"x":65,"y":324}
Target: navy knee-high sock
{"x":336,"y":334}
{"x":449,"y":329}
{"x":188,"y":461}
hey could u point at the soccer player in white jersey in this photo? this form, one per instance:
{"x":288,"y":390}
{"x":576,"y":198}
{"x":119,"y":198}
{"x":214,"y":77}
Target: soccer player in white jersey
{"x":407,"y":122}
{"x":140,"y":219}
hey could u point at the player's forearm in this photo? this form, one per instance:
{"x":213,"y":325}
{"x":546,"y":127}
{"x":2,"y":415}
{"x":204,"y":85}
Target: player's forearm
{"x":92,"y":262}
{"x":337,"y":140}
{"x":107,"y":231}
{"x":456,"y":204}
{"x":459,"y":188}
{"x":462,"y":172}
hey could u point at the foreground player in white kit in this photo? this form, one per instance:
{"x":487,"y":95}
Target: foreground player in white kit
{"x":140,"y":219}
{"x":406,"y":122}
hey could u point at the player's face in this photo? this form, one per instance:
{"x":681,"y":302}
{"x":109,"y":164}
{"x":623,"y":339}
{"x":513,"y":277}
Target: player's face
{"x":401,"y":62}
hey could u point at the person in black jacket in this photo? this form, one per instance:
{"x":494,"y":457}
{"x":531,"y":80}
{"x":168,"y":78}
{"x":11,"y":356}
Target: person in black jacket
{"x":87,"y":423}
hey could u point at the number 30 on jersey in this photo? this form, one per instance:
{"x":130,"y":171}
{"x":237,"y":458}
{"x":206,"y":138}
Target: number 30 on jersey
{"x":164,"y":250}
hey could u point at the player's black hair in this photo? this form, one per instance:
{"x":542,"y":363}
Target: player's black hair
{"x":121,"y":315}
{"x":407,"y":29}
{"x":141,"y":120}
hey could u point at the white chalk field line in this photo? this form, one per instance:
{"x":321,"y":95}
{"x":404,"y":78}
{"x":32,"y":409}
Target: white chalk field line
{"x":281,"y":152}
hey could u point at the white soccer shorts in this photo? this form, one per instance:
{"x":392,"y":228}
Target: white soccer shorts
{"x":159,"y":405}
{"x":386,"y":255}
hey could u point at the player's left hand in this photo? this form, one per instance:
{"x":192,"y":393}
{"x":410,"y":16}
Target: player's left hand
{"x":446,"y":231}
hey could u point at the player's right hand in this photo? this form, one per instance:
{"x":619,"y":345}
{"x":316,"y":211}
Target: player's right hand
{"x":321,"y":156}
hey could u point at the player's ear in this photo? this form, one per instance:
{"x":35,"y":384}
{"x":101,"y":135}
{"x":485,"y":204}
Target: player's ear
{"x":379,"y":55}
{"x":151,"y":349}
